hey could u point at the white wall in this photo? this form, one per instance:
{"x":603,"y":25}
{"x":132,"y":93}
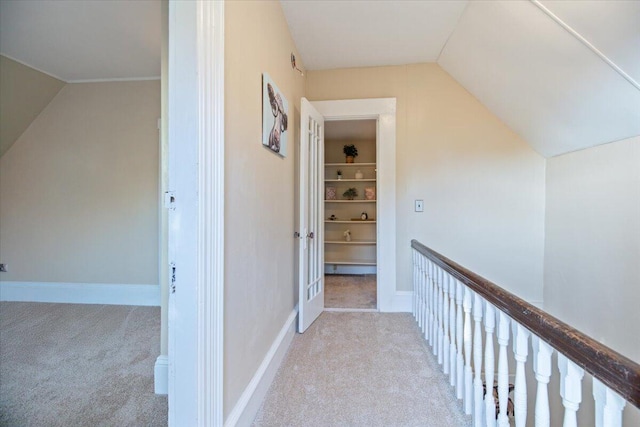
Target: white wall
{"x":592,"y":250}
{"x":483,"y":186}
{"x":260,"y":289}
{"x":79,"y":189}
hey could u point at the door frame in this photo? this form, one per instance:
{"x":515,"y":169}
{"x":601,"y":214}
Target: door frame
{"x":383,"y":110}
{"x":196,"y":212}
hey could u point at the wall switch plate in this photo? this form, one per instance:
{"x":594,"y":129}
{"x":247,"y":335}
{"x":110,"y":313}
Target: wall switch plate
{"x":419,"y":205}
{"x":3,"y":268}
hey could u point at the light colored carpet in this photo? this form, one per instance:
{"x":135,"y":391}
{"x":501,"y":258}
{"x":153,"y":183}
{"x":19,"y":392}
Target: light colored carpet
{"x":350,"y":291}
{"x":79,"y":365}
{"x":360,"y":369}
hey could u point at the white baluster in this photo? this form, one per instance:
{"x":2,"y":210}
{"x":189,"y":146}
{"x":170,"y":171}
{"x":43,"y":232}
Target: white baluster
{"x":520,"y":352}
{"x":503,"y":369}
{"x":432,"y":296}
{"x":415,"y":285}
{"x":421,"y":284}
{"x":609,"y":405}
{"x":427,"y":295}
{"x":542,"y":368}
{"x":452,"y":332}
{"x":459,"y":341}
{"x":468,"y":377}
{"x":445,"y":317}
{"x":570,"y":389}
{"x":436,"y":321}
{"x":478,"y":414}
{"x":489,"y":365}
{"x":440,"y":320}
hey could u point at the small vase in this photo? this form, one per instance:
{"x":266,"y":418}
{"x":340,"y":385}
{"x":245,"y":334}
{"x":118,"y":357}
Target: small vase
{"x":359,"y":174}
{"x":350,"y":159}
{"x":339,"y":176}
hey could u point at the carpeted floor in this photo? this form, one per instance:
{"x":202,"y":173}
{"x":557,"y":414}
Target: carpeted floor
{"x":360,"y":369}
{"x":350,"y":291}
{"x":79,"y":365}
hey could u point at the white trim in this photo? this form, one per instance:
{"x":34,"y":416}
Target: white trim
{"x":384,"y":111}
{"x":210,"y":54}
{"x":161,"y":375}
{"x":116,"y":79}
{"x":402,"y":302}
{"x":81,"y":293}
{"x":586,"y":42}
{"x":247,"y":406}
{"x":351,"y":310}
{"x":33,"y":68}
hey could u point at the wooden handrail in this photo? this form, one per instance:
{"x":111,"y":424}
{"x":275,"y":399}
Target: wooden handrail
{"x":616,"y":371}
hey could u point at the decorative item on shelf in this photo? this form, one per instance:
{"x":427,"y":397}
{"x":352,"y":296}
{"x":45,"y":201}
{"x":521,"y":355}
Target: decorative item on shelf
{"x":347,"y":235}
{"x":351,"y":193}
{"x":339,"y":174}
{"x":364,"y":216}
{"x":370,"y":193}
{"x":359,"y":175}
{"x":351,"y":152}
{"x":330,"y":193}
{"x":333,"y":218}
{"x":275,"y":117}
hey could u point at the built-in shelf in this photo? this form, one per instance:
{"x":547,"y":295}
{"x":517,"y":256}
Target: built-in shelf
{"x":350,"y":180}
{"x":350,"y":201}
{"x":349,"y":164}
{"x":337,"y":221}
{"x":352,"y":242}
{"x":350,"y":262}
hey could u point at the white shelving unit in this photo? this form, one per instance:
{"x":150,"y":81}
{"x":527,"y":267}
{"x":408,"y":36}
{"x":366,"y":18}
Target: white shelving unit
{"x":359,"y":254}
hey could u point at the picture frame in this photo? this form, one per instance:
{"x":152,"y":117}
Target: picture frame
{"x":275,"y":117}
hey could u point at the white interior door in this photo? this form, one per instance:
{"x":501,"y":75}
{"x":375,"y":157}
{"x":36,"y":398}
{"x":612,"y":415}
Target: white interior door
{"x":311,"y":257}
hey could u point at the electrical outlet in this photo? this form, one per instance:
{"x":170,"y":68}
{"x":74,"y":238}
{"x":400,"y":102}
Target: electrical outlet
{"x":419,"y":207}
{"x":3,"y":268}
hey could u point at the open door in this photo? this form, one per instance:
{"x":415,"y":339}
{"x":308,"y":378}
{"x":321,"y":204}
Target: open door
{"x":311,"y":184}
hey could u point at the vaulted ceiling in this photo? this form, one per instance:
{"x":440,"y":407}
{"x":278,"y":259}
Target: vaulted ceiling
{"x":562,"y":74}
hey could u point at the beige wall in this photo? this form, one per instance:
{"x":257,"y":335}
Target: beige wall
{"x":592,"y":255}
{"x":483,"y":186}
{"x":25,"y":93}
{"x":259,"y":191}
{"x":79,"y":189}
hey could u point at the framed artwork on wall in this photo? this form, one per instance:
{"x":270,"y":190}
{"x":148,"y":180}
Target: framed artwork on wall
{"x":275,"y":117}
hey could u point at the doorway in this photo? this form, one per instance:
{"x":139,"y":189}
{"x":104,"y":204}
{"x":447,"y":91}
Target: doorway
{"x":350,"y":215}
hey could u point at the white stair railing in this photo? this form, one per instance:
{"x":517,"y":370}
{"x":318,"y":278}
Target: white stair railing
{"x":452,"y":305}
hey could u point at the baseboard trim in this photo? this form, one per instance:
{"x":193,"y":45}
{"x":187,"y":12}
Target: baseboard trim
{"x":80,"y":293}
{"x":402,"y":302}
{"x":161,"y":375}
{"x":249,"y":403}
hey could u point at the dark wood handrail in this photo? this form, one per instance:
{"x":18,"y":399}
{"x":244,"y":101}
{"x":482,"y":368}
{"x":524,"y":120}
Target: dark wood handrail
{"x":616,"y":371}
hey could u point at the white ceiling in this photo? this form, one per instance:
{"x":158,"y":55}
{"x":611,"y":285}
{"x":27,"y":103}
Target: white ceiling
{"x":84,"y":40}
{"x":535,"y":75}
{"x":529,"y":70}
{"x":340,"y":34}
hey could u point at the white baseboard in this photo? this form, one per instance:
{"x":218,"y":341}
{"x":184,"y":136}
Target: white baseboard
{"x":402,"y":302}
{"x":80,"y":293}
{"x":249,"y":403}
{"x":161,"y":375}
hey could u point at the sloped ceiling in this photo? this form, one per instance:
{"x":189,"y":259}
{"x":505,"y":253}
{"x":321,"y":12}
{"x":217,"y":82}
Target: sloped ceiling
{"x":564,"y":79}
{"x":541,"y":80}
{"x":84,"y":40}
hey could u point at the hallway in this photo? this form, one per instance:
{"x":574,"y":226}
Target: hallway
{"x":360,"y":369}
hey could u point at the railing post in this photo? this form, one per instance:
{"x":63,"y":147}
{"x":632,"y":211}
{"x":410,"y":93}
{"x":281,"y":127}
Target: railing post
{"x":489,"y":365}
{"x":503,"y":369}
{"x":570,"y":389}
{"x":445,"y":317}
{"x":452,"y":333}
{"x":468,"y":376}
{"x":520,"y":352}
{"x":478,"y":414}
{"x":609,"y":405}
{"x":542,"y":368}
{"x":459,"y":341}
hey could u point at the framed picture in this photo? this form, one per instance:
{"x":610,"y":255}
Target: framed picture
{"x":275,"y":117}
